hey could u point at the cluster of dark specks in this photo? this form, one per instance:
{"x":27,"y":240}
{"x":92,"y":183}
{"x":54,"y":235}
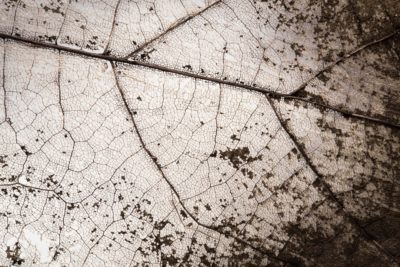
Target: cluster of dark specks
{"x":10,"y":4}
{"x":237,"y":156}
{"x":343,"y":219}
{"x":13,"y":253}
{"x":53,"y":7}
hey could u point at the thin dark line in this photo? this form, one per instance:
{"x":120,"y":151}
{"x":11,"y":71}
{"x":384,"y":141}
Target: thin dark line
{"x":331,"y":194}
{"x":343,"y":112}
{"x":112,"y":26}
{"x":159,"y":168}
{"x":173,"y":27}
{"x":188,"y":74}
{"x":134,"y":62}
{"x":341,"y":59}
{"x":4,"y":82}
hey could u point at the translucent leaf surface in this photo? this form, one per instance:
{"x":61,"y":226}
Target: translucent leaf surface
{"x":199,"y":133}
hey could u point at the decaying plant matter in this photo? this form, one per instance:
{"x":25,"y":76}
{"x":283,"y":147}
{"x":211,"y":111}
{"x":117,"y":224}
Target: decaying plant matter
{"x":199,"y":133}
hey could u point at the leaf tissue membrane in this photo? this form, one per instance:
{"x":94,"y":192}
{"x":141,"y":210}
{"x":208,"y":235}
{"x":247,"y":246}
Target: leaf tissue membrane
{"x":199,"y":133}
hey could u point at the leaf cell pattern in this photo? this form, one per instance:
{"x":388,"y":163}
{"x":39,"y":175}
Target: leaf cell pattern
{"x":199,"y":133}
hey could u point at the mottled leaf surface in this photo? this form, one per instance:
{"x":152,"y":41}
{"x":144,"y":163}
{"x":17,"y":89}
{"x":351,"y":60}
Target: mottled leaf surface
{"x":199,"y":133}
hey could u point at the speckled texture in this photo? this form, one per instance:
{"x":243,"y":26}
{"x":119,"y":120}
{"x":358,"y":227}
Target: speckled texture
{"x":199,"y":133}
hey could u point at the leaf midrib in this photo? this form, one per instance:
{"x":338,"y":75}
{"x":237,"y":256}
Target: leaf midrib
{"x":268,"y":92}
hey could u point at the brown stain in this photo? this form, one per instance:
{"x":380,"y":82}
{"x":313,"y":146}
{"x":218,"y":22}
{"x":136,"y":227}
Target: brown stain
{"x":237,"y":156}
